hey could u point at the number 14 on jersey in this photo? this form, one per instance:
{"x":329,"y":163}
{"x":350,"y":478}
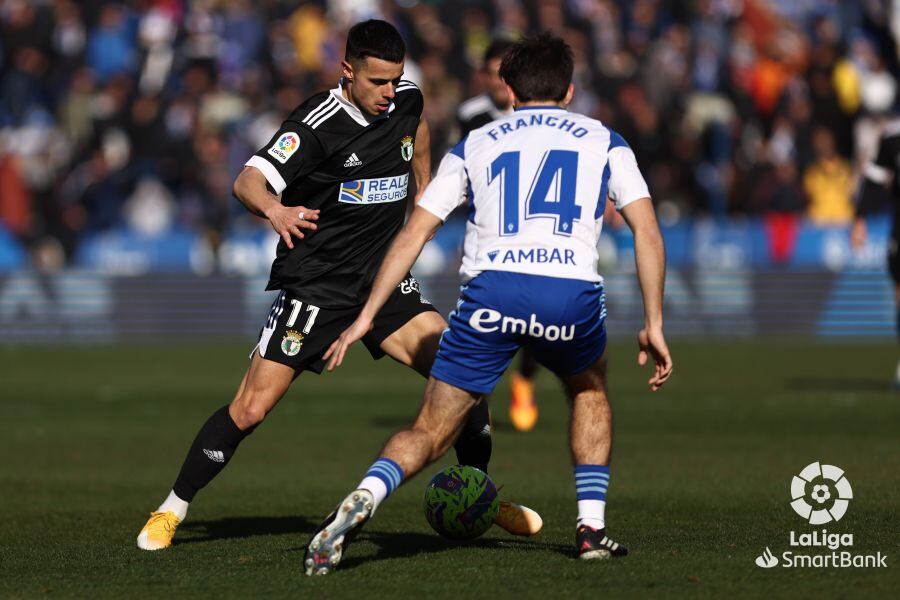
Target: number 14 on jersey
{"x":551,"y":194}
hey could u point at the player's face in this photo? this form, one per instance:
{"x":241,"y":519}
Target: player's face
{"x":374,"y":82}
{"x":496,"y":88}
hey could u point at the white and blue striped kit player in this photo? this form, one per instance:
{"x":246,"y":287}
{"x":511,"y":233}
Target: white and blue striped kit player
{"x":536,"y":184}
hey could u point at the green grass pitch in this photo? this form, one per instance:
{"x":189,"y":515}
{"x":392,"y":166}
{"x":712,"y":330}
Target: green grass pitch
{"x":93,"y":437}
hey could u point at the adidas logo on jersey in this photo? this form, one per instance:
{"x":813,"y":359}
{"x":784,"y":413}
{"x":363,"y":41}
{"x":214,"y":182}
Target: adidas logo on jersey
{"x":214,"y":455}
{"x":353,"y":161}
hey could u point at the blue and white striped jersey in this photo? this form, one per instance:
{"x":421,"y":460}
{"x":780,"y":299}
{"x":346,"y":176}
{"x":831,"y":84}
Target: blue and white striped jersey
{"x":536,"y":184}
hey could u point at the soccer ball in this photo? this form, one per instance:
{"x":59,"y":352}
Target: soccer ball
{"x":461,"y":502}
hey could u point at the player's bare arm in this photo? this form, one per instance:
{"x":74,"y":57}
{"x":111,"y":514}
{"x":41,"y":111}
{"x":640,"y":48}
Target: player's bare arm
{"x":421,"y":161}
{"x":287,"y":221}
{"x":858,"y":233}
{"x":650,"y":259}
{"x":400,"y":258}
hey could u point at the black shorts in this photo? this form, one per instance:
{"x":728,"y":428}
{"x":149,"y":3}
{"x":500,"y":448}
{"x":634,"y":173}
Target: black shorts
{"x":297,"y":334}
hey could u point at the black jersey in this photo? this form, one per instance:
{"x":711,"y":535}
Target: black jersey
{"x":476,"y":112}
{"x":328,"y":156}
{"x":873,"y":197}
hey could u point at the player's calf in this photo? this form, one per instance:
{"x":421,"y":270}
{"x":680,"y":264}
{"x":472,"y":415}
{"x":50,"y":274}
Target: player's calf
{"x":474,"y":445}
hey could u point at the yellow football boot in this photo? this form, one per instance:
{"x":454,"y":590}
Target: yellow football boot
{"x":518,"y":520}
{"x":159,"y":531}
{"x":523,"y":411}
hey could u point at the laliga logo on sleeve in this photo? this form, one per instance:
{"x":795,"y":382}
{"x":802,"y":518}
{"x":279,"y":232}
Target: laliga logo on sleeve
{"x":820,"y":494}
{"x":284,"y":147}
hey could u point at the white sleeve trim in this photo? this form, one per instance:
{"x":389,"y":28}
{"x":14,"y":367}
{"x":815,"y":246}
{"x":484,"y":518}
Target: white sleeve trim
{"x":271,"y":173}
{"x":433,"y":210}
{"x":626,"y":184}
{"x":448,"y":188}
{"x":876,"y":173}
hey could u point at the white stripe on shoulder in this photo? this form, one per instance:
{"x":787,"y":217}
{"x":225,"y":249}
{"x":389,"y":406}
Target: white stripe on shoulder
{"x":320,"y":109}
{"x":324,"y":117}
{"x":474,"y":106}
{"x":406,"y":84}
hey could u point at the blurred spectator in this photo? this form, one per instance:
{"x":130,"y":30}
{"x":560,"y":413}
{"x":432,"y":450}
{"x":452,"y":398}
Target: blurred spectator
{"x":138,"y":114}
{"x":828,"y":182}
{"x":15,"y":199}
{"x":111,"y":44}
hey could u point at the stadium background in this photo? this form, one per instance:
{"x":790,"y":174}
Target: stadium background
{"x":123,"y":125}
{"x":131,"y":289}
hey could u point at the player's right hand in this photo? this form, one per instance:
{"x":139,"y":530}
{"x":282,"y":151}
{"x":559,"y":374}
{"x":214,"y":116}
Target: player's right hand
{"x":360,"y":327}
{"x":289,"y":220}
{"x":652,"y":343}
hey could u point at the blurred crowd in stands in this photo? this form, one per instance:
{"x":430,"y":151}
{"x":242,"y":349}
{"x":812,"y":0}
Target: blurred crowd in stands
{"x":139,"y":114}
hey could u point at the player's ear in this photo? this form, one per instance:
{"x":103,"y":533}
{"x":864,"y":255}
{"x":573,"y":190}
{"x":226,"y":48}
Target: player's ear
{"x":569,"y":93}
{"x":346,"y":70}
{"x":512,"y":95}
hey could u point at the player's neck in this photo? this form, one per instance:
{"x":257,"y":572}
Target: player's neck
{"x":539,"y":104}
{"x":345,"y":92}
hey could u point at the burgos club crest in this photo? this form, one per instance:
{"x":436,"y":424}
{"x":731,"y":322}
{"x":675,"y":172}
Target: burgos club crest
{"x":292,"y":342}
{"x":406,"y":148}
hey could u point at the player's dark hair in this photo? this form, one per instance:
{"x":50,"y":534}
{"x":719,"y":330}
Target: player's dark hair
{"x":375,"y":38}
{"x":538,"y":67}
{"x":497,"y":48}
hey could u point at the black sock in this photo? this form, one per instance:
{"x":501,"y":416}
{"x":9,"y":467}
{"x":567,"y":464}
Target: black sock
{"x":212,"y":449}
{"x":473,"y":447}
{"x":528,"y":364}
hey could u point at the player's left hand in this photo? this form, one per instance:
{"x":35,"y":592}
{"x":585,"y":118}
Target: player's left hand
{"x":351,"y":335}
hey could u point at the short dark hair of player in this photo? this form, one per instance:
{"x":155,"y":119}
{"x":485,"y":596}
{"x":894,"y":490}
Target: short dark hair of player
{"x":375,"y":38}
{"x":538,"y":67}
{"x":497,"y":49}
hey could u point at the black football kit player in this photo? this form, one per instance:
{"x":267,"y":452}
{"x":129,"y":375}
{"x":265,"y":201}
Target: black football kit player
{"x":355,"y":170}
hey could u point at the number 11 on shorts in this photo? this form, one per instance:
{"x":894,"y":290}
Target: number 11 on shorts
{"x":295,"y":312}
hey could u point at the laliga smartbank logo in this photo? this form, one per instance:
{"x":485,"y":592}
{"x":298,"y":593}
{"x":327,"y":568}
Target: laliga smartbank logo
{"x":820,"y":494}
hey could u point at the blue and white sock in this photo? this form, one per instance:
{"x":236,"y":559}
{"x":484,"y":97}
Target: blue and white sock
{"x":591,"y":483}
{"x":382,"y":478}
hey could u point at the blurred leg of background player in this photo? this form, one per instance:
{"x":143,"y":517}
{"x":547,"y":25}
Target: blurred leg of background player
{"x":858,"y":237}
{"x":265,"y":382}
{"x":893,"y":256}
{"x":523,"y":410}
